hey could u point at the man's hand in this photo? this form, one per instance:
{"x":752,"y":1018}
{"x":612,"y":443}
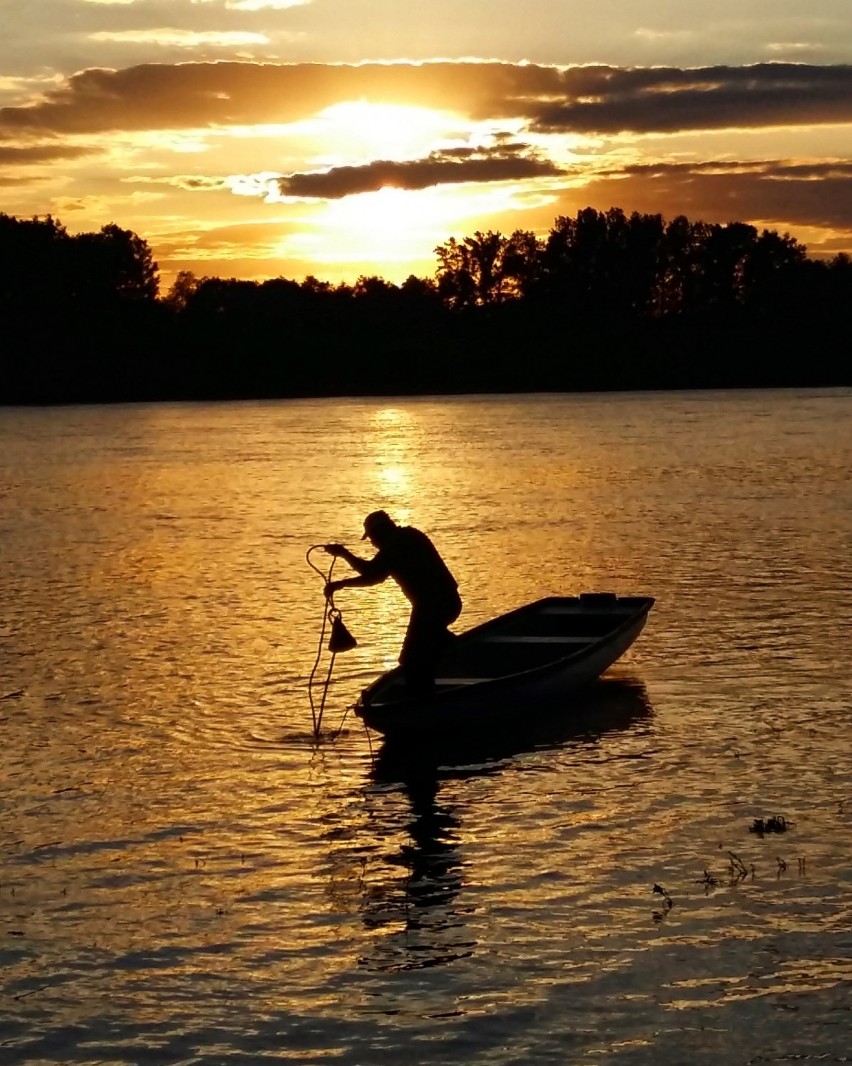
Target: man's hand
{"x":332,"y":587}
{"x":334,"y":549}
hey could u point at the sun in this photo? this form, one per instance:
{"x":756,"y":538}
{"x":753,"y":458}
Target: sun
{"x":362,"y":132}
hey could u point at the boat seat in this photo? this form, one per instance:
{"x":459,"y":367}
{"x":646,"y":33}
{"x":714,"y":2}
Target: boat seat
{"x":453,"y":682}
{"x":501,"y":639}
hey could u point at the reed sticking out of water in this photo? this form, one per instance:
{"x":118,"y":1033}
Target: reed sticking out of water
{"x":739,"y":870}
{"x":668,"y":903}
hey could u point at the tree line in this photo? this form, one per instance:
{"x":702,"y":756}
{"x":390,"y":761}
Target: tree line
{"x":605,"y":300}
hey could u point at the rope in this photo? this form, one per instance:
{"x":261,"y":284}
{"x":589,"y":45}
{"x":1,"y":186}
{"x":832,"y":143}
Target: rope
{"x":316,"y":715}
{"x":330,"y":613}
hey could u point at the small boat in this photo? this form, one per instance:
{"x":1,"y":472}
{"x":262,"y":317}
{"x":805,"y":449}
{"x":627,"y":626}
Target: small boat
{"x":532,"y":657}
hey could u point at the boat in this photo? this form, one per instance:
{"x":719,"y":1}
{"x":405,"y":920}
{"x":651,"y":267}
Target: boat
{"x":531,"y":658}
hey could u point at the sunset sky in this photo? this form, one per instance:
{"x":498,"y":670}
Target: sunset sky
{"x":269,"y":138}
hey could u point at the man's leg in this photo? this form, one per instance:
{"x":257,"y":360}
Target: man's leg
{"x":424,"y":640}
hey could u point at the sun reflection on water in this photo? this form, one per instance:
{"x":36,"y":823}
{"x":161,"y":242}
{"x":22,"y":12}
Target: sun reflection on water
{"x":392,"y":447}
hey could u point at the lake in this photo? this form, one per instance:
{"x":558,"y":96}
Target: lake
{"x":186,"y":878}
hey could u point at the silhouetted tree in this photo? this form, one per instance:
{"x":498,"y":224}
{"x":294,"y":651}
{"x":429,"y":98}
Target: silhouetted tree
{"x":182,"y":290}
{"x":113,"y":263}
{"x":604,"y":300}
{"x":481,"y":270}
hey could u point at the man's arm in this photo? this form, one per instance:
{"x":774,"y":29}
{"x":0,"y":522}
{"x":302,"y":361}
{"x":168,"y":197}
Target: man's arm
{"x":370,"y":571}
{"x":360,"y":566}
{"x":351,"y":583}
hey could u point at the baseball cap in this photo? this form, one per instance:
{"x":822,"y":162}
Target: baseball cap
{"x":376,"y":520}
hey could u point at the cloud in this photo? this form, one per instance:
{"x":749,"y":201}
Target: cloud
{"x":252,"y":117}
{"x":236,"y":235}
{"x":654,"y":35}
{"x":506,"y":163}
{"x":215,"y":250}
{"x":12,"y":155}
{"x":10,"y":182}
{"x":795,"y":48}
{"x":172,"y":38}
{"x":667,"y":100}
{"x":229,"y":5}
{"x":154,"y":96}
{"x":185,"y":182}
{"x":263,"y":5}
{"x":588,"y":100}
{"x":817,"y":194}
{"x":245,"y":5}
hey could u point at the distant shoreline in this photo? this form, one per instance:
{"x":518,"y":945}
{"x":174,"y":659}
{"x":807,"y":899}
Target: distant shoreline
{"x":484,"y":393}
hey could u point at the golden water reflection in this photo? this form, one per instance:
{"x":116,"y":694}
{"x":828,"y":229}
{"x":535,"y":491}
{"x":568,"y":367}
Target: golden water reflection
{"x":181,"y":867}
{"x":392,"y":443}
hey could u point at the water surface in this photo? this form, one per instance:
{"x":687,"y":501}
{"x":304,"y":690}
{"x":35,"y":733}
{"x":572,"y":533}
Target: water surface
{"x":186,"y":878}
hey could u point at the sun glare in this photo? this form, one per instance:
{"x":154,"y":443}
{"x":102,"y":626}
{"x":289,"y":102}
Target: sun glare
{"x":363,"y":132}
{"x":387,"y":225}
{"x":387,"y":417}
{"x":393,"y":478}
{"x":393,"y":232}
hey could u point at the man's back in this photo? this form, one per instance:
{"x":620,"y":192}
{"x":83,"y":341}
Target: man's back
{"x":412,"y":560}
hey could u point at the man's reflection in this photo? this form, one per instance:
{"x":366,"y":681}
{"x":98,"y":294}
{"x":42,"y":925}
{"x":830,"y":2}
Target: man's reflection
{"x":418,"y":895}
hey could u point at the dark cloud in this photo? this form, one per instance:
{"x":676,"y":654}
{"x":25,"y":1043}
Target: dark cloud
{"x":800,"y":194}
{"x":665,"y":100}
{"x":18,"y":182}
{"x":27,"y":155}
{"x":188,"y":95}
{"x":588,"y":99}
{"x":507,"y":163}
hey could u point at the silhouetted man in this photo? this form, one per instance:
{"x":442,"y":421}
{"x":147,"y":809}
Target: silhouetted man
{"x":411,"y":559}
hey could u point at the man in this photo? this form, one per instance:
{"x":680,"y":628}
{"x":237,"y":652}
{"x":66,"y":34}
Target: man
{"x":411,"y":559}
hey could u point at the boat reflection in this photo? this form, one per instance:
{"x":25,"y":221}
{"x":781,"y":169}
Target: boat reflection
{"x":610,"y":705}
{"x":412,"y":861}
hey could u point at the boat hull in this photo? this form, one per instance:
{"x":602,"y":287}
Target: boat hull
{"x":550,"y":628}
